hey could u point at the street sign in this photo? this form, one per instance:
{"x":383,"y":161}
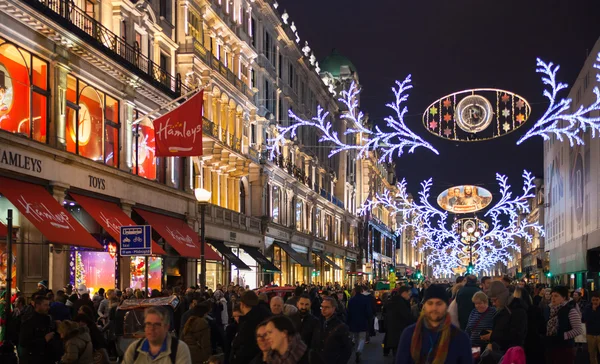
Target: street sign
{"x":136,"y":240}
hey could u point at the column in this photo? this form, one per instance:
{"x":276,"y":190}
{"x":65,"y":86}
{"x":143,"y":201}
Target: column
{"x":126,"y":153}
{"x":125,"y":262}
{"x":59,"y":139}
{"x":231,"y":194}
{"x":224,"y":189}
{"x":215,"y":187}
{"x":59,"y":255}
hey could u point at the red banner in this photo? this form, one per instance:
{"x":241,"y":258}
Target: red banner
{"x":179,"y":132}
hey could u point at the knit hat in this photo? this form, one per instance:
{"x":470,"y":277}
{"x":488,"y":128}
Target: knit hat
{"x":249,"y":298}
{"x":499,"y":291}
{"x":436,"y":291}
{"x":43,"y":283}
{"x":82,"y":289}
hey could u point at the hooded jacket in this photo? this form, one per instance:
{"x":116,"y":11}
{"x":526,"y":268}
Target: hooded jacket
{"x":197,"y":338}
{"x":78,"y":347}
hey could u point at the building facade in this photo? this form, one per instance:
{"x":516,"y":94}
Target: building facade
{"x":572,"y":195}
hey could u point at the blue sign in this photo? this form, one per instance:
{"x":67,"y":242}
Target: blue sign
{"x":136,"y":240}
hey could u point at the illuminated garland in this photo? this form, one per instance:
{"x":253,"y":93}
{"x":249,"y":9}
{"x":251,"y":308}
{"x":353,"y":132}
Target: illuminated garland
{"x":558,"y":120}
{"x":389,"y":143}
{"x":445,"y":251}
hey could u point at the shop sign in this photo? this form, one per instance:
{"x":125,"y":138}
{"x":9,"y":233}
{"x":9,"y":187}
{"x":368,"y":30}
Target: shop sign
{"x":318,"y":246}
{"x":136,"y":240}
{"x":278,"y":234}
{"x":300,"y":240}
{"x":232,"y":236}
{"x":386,"y":260}
{"x":21,"y":161}
{"x":351,"y":255}
{"x":97,"y":182}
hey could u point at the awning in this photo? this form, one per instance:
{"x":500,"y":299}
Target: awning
{"x":294,"y":254}
{"x":3,"y":230}
{"x":227,"y":253}
{"x":110,"y":216}
{"x":48,"y":216}
{"x":260,"y":258}
{"x":178,"y":234}
{"x":327,"y":260}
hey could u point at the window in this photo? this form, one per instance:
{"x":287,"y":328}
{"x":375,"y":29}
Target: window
{"x":299,"y":207}
{"x":280,"y":110}
{"x":291,"y":76}
{"x":275,"y":205}
{"x":251,"y":30}
{"x":90,"y":9}
{"x":195,"y":27}
{"x":280,"y":66}
{"x":267,"y":46}
{"x":92,"y":123}
{"x":23,"y":86}
{"x":177,"y":172}
{"x":165,"y":9}
{"x":144,"y":160}
{"x":318,"y":223}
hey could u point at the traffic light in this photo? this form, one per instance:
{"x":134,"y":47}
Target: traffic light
{"x":392,"y":269}
{"x":470,"y":268}
{"x":418,"y":274}
{"x":549,"y":274}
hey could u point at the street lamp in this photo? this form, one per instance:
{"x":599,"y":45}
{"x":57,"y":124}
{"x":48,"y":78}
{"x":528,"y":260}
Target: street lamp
{"x":203,"y":198}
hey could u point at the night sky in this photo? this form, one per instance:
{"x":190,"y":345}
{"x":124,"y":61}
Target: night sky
{"x":450,"y":46}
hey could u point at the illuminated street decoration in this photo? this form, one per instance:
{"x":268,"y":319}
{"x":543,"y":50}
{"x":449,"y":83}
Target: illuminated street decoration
{"x":444,"y":248}
{"x":390,"y":143}
{"x":476,"y":115}
{"x":559,"y":120}
{"x":464,"y":199}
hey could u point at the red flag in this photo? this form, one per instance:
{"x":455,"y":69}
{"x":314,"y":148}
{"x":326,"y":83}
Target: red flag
{"x":179,"y":132}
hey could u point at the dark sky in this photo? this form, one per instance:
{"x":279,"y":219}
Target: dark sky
{"x":450,"y":46}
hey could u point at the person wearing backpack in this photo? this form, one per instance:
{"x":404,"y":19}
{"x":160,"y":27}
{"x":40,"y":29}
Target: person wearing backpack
{"x":159,"y":347}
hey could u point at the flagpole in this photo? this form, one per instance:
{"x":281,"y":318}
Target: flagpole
{"x":187,"y":94}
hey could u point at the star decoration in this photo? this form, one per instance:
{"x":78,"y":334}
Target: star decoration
{"x":433,"y":124}
{"x":447,"y":132}
{"x":447,"y":117}
{"x":506,"y":127}
{"x":433,"y":111}
{"x":447,"y":103}
{"x":506,"y":113}
{"x":520,"y":104}
{"x":520,"y":118}
{"x":505,"y":98}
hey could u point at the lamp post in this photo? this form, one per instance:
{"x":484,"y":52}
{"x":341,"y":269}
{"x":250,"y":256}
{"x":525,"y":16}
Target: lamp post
{"x":470,"y":235}
{"x":203,"y":198}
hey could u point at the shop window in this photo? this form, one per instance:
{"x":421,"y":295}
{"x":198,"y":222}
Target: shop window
{"x":92,"y":129}
{"x":144,"y":159}
{"x":23,"y":92}
{"x":138,"y":270}
{"x":276,"y":204}
{"x":177,"y":172}
{"x":95,"y":269}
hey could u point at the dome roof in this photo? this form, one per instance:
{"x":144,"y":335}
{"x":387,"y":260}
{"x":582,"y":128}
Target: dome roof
{"x":333,"y":62}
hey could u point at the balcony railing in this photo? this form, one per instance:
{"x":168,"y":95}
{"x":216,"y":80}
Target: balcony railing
{"x":205,"y":55}
{"x":74,"y":19}
{"x":212,"y":129}
{"x":224,"y":217}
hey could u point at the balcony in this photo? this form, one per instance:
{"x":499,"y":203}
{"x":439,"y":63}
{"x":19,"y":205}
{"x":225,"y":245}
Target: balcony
{"x":212,"y":129}
{"x":193,"y":46}
{"x":94,"y":33}
{"x":223,"y":217}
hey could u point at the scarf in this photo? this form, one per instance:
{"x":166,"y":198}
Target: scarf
{"x":440,"y":349}
{"x":552,"y":326}
{"x":296,"y":349}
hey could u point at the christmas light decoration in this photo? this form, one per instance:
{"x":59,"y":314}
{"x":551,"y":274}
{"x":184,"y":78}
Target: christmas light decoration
{"x":448,"y":249}
{"x":558,"y":120}
{"x":390,"y":143}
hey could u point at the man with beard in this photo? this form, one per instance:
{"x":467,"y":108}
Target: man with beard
{"x":397,"y":316}
{"x":469,"y":199}
{"x":37,"y":334}
{"x":305,"y":323}
{"x":332,"y":345}
{"x":433,"y":339}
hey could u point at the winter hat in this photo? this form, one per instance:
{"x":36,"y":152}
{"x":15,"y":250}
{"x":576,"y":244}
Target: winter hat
{"x":82,"y":289}
{"x":218,"y":294}
{"x":436,"y":291}
{"x":249,"y":298}
{"x":43,"y":283}
{"x":499,"y":291}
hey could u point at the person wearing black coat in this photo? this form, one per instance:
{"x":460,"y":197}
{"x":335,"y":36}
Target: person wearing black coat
{"x":332,"y":344}
{"x":464,"y":300}
{"x":244,"y":347}
{"x":305,"y":323}
{"x":37,"y":336}
{"x":397,"y":315}
{"x":315,"y":302}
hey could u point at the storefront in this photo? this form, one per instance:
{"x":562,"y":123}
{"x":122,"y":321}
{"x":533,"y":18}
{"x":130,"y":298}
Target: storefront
{"x":234,"y":268}
{"x":325,"y":268}
{"x":291,"y":263}
{"x":265,"y":268}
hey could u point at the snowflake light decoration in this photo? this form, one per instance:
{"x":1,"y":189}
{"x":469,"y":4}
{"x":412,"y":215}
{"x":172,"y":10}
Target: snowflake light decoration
{"x":558,"y":120}
{"x":389,"y":143}
{"x":445,"y":249}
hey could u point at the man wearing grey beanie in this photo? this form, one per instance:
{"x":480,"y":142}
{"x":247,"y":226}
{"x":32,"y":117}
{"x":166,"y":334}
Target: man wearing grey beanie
{"x":510,"y":322}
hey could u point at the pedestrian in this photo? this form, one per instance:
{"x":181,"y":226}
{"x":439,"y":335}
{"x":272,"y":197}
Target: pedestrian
{"x":360,"y":313}
{"x":332,"y":341}
{"x":37,"y":334}
{"x":98,"y":298}
{"x":159,"y":346}
{"x":298,"y":291}
{"x":485,"y":284}
{"x":77,"y":342}
{"x":464,"y":300}
{"x":221,"y":303}
{"x":510,"y":324}
{"x":196,"y":334}
{"x":433,"y":338}
{"x":563,"y":325}
{"x":263,"y":344}
{"x":306,"y":324}
{"x":98,"y":339}
{"x":480,"y":319}
{"x":397,"y":316}
{"x":276,"y":305}
{"x":286,"y":345}
{"x":535,"y":325}
{"x":591,"y":317}
{"x":244,"y":347}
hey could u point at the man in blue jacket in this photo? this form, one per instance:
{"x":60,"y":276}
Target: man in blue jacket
{"x":360,"y":312}
{"x":433,"y":339}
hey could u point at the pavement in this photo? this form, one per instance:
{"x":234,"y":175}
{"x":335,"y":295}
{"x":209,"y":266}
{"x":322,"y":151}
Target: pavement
{"x":373,"y":352}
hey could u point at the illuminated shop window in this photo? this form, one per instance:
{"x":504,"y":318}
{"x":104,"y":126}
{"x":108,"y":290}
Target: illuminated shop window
{"x":23,"y":92}
{"x":144,"y":144}
{"x":92,"y":123}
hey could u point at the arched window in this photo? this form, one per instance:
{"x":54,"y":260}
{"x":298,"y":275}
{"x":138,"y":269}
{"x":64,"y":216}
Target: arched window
{"x":242,"y":197}
{"x":144,"y":144}
{"x":23,"y":92}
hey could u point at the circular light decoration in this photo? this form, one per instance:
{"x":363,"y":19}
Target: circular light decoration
{"x":464,"y":199}
{"x":476,"y":115}
{"x":465,"y":224}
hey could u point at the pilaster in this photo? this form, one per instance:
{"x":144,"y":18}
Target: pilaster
{"x":59,"y":255}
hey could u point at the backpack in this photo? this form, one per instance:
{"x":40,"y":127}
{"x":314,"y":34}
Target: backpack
{"x":173,"y":355}
{"x":514,"y":355}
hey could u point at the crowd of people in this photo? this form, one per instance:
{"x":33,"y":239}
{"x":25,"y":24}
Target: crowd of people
{"x":467,"y":321}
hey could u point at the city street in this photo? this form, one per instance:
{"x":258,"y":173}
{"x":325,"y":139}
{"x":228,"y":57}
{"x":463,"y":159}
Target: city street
{"x":373,"y":353}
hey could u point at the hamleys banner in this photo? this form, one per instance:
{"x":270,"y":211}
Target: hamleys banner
{"x":178,"y":133}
